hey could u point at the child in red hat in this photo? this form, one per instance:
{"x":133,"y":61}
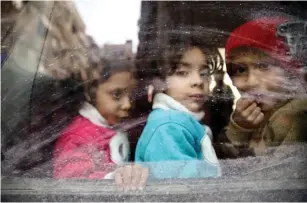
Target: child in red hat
{"x":269,"y":113}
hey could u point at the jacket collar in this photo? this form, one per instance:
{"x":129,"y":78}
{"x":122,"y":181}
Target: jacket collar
{"x":163,"y":101}
{"x":92,"y":114}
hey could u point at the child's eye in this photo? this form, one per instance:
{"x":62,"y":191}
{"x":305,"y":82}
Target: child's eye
{"x":239,"y":69}
{"x":262,"y":66}
{"x":204,"y":73}
{"x":182,"y":73}
{"x":116,"y":95}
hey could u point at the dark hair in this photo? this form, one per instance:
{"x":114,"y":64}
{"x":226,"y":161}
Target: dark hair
{"x":174,"y":49}
{"x":100,"y":72}
{"x":54,"y":102}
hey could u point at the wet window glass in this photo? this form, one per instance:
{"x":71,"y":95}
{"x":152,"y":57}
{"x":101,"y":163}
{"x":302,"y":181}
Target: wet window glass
{"x":156,"y":100}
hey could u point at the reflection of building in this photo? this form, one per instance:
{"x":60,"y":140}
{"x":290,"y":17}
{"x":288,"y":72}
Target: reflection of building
{"x":117,"y":51}
{"x":59,"y":27}
{"x":67,"y":44}
{"x":9,"y":26}
{"x":37,"y":35}
{"x":93,"y":50}
{"x":23,"y":33}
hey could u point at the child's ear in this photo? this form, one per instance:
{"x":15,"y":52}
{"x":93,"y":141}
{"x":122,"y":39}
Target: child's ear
{"x":150,"y":91}
{"x":157,"y":85}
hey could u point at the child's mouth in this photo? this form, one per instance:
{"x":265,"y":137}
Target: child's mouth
{"x":257,"y":96}
{"x":264,"y":97}
{"x":197,"y":97}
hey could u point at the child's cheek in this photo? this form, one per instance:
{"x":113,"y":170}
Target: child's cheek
{"x":206,"y":87}
{"x":274,"y":83}
{"x":240,"y":84}
{"x":112,"y":120}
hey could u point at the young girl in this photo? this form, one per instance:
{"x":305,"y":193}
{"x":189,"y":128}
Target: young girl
{"x":174,"y":143}
{"x":267,"y":114}
{"x":90,"y":144}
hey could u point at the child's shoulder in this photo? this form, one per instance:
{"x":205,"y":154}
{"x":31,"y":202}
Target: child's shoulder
{"x":78,"y":123}
{"x":291,"y":118}
{"x":298,"y":104}
{"x":83,"y":128}
{"x":293,"y":108}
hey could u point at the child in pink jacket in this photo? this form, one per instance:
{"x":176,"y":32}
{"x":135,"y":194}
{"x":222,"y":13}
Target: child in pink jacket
{"x":90,"y":145}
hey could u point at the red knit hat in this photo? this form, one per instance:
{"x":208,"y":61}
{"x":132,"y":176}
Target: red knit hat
{"x":261,"y":34}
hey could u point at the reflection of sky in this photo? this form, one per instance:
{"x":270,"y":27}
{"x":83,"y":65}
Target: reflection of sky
{"x":111,"y":21}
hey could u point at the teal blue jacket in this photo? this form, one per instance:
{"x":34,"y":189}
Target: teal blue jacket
{"x":174,"y":144}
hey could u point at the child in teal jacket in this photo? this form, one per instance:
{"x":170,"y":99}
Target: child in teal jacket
{"x":174,"y":144}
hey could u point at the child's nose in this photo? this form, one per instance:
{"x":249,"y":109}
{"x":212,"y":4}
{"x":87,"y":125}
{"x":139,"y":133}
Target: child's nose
{"x":196,"y":80}
{"x":252,"y":80}
{"x":126,"y":104}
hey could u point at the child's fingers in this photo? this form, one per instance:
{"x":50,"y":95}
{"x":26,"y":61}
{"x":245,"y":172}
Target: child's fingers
{"x":144,"y":178}
{"x":119,"y":179}
{"x":135,"y":177}
{"x":254,"y":114}
{"x":259,"y":119}
{"x":247,"y":112}
{"x":243,"y":103}
{"x":127,"y":171}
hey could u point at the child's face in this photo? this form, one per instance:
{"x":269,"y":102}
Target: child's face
{"x":189,"y":84}
{"x":256,"y":76}
{"x":113,"y":97}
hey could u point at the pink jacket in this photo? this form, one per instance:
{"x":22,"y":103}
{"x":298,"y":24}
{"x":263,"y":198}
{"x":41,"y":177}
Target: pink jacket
{"x":88,"y":146}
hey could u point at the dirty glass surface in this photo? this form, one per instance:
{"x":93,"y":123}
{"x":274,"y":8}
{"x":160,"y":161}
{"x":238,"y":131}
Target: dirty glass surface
{"x":48,"y":47}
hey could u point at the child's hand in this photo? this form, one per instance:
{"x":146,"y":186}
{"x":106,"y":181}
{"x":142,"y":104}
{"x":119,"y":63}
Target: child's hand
{"x":131,"y":177}
{"x":247,"y":114}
